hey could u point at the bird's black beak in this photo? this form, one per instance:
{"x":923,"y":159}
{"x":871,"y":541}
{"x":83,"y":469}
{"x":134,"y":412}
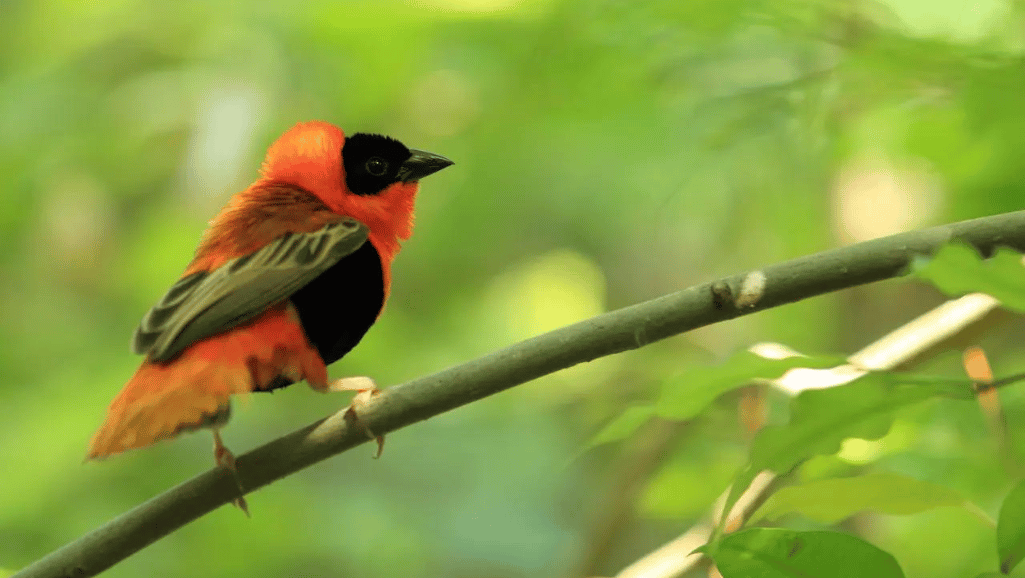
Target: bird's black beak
{"x":421,"y":164}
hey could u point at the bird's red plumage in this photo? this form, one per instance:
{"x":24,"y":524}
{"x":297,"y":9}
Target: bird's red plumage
{"x":193,"y":389}
{"x":164,"y":399}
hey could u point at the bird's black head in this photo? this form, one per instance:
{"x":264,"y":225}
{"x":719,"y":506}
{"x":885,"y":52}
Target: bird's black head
{"x":372,"y":162}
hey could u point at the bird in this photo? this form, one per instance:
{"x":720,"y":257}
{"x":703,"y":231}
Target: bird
{"x":286,"y":279}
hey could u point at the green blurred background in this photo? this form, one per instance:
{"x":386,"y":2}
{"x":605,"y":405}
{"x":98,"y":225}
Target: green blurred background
{"x":607,"y":152}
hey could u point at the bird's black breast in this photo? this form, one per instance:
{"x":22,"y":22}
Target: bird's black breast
{"x":339,"y":306}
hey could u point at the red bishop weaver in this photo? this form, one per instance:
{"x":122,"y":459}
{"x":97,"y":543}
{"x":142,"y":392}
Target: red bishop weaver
{"x":287,"y":279}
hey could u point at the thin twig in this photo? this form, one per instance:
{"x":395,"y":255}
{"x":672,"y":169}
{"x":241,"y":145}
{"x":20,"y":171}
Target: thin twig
{"x":614,"y":332}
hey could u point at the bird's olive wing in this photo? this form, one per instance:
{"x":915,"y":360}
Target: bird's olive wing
{"x":209,"y":302}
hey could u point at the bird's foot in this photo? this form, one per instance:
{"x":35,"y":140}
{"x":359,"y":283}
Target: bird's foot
{"x":226,"y":460}
{"x":365,"y":389}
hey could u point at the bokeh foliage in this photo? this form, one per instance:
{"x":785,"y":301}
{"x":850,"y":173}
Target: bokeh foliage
{"x":607,"y":151}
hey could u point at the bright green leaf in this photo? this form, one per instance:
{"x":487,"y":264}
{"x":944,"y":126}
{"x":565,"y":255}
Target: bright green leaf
{"x":957,"y":269}
{"x":778,"y":553}
{"x":834,"y":499}
{"x":683,"y":397}
{"x":623,"y":426}
{"x":822,"y":419}
{"x":1011,"y":529}
{"x":950,"y":387}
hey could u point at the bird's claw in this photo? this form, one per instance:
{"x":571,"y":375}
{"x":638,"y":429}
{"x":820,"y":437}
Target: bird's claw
{"x":225,"y":459}
{"x":365,"y":389}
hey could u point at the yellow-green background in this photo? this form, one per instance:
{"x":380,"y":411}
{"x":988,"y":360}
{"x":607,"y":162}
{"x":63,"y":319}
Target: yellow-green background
{"x":607,"y":151}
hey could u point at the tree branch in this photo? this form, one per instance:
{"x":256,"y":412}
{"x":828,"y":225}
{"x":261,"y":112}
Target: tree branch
{"x":628,"y":328}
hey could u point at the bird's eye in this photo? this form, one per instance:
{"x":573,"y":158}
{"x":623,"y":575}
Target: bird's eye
{"x":377,"y":166}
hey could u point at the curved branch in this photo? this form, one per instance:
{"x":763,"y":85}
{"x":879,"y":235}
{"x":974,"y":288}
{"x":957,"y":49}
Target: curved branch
{"x":628,"y":328}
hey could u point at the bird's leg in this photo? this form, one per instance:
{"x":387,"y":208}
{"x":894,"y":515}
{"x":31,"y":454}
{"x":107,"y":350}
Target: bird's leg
{"x":226,"y":460}
{"x":365,"y":389}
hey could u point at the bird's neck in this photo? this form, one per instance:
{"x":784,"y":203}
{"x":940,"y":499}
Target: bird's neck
{"x":388,"y":215}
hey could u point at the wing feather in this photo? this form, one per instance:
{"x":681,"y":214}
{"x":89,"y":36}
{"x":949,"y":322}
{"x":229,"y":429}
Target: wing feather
{"x":210,"y":302}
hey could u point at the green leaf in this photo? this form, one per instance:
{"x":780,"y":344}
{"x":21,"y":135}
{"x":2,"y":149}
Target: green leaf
{"x":834,"y":499}
{"x":778,"y":553}
{"x":822,"y":419}
{"x":1011,"y":529}
{"x":623,"y":426}
{"x":685,"y":396}
{"x":957,"y":269}
{"x":950,"y":387}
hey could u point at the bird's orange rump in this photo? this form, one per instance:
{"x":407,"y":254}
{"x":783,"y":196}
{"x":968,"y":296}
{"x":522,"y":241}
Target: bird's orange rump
{"x":288,"y":278}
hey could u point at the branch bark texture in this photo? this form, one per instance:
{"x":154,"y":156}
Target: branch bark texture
{"x":628,"y":328}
